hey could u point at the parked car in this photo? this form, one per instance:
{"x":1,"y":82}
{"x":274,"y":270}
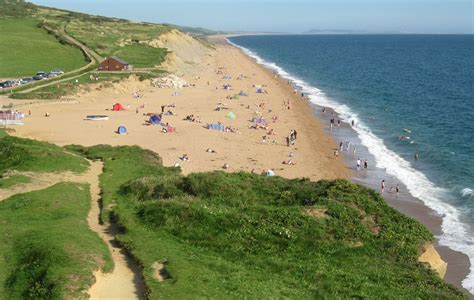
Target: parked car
{"x":26,"y":80}
{"x":50,"y":74}
{"x":10,"y":83}
{"x":37,"y":77}
{"x":57,"y":72}
{"x":2,"y":85}
{"x":42,"y":74}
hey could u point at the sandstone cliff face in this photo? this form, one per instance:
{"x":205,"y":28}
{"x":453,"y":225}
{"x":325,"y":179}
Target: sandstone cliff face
{"x":187,"y":54}
{"x":431,"y":256}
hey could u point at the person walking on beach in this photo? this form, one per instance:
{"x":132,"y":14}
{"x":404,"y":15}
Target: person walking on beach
{"x":397,"y":190}
{"x":336,"y":153}
{"x":417,"y":156}
{"x":340,"y":146}
{"x":383,"y":186}
{"x":366,"y":164}
{"x":358,"y":164}
{"x":354,"y":152}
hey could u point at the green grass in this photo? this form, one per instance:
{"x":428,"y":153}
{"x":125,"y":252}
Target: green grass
{"x":105,"y":35}
{"x":69,"y":87}
{"x":47,"y":249}
{"x":13,"y":180}
{"x":26,"y":49}
{"x":247,"y":236}
{"x":30,"y":155}
{"x":142,"y":56}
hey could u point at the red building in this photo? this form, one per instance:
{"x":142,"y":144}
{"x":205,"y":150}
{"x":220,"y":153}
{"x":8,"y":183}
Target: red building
{"x":114,"y":63}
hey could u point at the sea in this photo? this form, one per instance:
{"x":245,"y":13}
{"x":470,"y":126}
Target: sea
{"x":406,"y":95}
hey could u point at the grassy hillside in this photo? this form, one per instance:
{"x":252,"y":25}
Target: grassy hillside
{"x":24,"y":25}
{"x":25,"y":49}
{"x":30,"y":155}
{"x":47,"y":250}
{"x":246,"y":236}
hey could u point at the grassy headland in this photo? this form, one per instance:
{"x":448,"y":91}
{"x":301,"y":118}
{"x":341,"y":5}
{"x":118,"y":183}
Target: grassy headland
{"x":26,"y":49}
{"x":244,"y":235}
{"x":30,"y":155}
{"x":47,"y":250}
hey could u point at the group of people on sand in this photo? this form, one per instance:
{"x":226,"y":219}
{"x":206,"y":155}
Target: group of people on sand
{"x":393,"y":189}
{"x":290,"y":160}
{"x":193,"y":118}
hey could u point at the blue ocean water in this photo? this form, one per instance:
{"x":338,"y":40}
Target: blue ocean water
{"x":420,"y":86}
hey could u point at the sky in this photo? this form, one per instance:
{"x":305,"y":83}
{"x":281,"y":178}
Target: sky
{"x":293,"y":16}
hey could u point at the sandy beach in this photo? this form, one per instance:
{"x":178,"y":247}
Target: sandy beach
{"x":245,"y":149}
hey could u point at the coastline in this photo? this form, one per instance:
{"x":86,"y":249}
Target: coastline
{"x":244,"y":152}
{"x":458,"y":264}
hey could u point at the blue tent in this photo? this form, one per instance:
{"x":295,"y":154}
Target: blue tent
{"x":154,"y":120}
{"x":122,"y":130}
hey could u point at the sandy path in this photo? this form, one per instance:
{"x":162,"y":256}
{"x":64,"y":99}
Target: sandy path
{"x":40,"y":181}
{"x":124,"y":282}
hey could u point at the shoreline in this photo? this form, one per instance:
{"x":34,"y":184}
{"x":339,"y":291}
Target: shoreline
{"x":458,"y":263}
{"x":244,"y":152}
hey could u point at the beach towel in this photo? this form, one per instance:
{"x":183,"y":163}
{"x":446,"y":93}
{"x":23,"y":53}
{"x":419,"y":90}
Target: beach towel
{"x":259,"y":120}
{"x":231,"y":115}
{"x":219,"y":127}
{"x":170,"y":129}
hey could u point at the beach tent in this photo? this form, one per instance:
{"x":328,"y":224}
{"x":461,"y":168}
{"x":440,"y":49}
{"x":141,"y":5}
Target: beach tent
{"x":260,"y":91}
{"x":117,"y":107}
{"x":154,"y":120}
{"x":231,"y":115}
{"x":122,"y":130}
{"x":269,"y":173}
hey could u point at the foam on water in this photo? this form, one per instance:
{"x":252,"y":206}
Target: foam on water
{"x":455,"y":233}
{"x":467,"y":192}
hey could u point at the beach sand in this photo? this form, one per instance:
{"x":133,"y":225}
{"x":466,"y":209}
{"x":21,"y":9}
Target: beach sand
{"x":243,"y":151}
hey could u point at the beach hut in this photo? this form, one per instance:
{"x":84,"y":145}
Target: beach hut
{"x":117,"y":106}
{"x":231,"y":115}
{"x":122,"y":130}
{"x":154,"y":120}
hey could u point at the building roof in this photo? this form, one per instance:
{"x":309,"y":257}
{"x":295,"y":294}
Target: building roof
{"x":119,"y":60}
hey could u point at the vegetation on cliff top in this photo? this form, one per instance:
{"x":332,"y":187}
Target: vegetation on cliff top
{"x":47,"y":250}
{"x":244,"y":235}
